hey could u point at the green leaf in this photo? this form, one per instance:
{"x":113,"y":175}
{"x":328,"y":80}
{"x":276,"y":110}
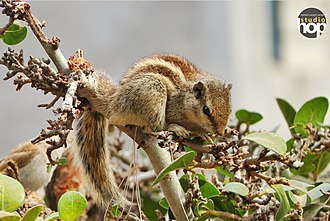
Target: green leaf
{"x":235,"y":187}
{"x":247,"y":117}
{"x":225,"y":171}
{"x":312,"y":210}
{"x":163,"y":203}
{"x":49,"y":168}
{"x":15,"y":26}
{"x":206,"y":206}
{"x":12,"y":194}
{"x":6,"y":216}
{"x":323,"y":161}
{"x":313,"y":163}
{"x":292,"y":198}
{"x":53,"y":217}
{"x":284,"y":202}
{"x":310,"y":160}
{"x":288,"y":112}
{"x":201,"y":207}
{"x":115,"y":210}
{"x":180,"y":163}
{"x":184,"y":181}
{"x":71,"y":205}
{"x":206,"y":217}
{"x":207,"y":189}
{"x":33,"y":213}
{"x":14,"y":34}
{"x":222,"y":203}
{"x":150,"y":205}
{"x":61,"y":161}
{"x":301,"y":186}
{"x":316,"y":193}
{"x":289,"y":144}
{"x":268,"y":140}
{"x":312,"y":111}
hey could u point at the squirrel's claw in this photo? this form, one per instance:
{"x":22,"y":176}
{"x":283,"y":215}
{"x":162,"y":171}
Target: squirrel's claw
{"x":206,"y":138}
{"x":179,"y":130}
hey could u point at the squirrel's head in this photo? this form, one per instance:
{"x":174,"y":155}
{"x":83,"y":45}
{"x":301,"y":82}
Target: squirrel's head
{"x":212,"y":105}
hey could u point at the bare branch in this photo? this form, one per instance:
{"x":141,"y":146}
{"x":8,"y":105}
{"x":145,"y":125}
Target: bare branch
{"x":64,"y":84}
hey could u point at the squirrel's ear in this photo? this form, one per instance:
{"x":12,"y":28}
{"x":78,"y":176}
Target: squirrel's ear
{"x":199,"y":90}
{"x":229,"y":86}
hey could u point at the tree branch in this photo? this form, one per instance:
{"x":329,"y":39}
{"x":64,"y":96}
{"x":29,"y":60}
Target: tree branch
{"x":10,"y":22}
{"x":160,"y":158}
{"x":50,"y":46}
{"x":72,"y":79}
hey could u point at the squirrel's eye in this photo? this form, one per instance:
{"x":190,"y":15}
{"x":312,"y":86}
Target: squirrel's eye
{"x":206,"y":111}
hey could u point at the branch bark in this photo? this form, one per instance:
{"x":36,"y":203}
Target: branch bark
{"x":51,"y":46}
{"x":160,"y":158}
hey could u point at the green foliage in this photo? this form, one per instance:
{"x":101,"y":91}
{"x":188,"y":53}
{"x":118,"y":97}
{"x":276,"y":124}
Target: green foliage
{"x":268,"y":140}
{"x":313,"y":112}
{"x":53,"y":217}
{"x":182,"y":162}
{"x":12,"y":194}
{"x":316,"y":192}
{"x":235,"y":187}
{"x":288,"y":112}
{"x":214,"y":200}
{"x":284,"y":202}
{"x":61,"y":161}
{"x":71,"y":205}
{"x":7,"y":216}
{"x":301,"y":186}
{"x":201,"y":207}
{"x":15,"y":34}
{"x":115,"y":210}
{"x":224,"y":171}
{"x":312,"y":210}
{"x":150,"y":205}
{"x":208,"y":189}
{"x":163,"y":203}
{"x":247,"y":117}
{"x":33,"y":213}
{"x":314,"y":163}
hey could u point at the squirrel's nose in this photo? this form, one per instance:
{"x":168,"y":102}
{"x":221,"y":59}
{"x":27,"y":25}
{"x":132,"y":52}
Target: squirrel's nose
{"x":220,"y":131}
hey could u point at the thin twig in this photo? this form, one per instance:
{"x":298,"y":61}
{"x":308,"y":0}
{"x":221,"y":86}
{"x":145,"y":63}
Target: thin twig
{"x":10,"y":22}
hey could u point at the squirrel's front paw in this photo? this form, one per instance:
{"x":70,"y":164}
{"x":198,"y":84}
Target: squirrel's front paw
{"x":179,"y":130}
{"x":206,"y":138}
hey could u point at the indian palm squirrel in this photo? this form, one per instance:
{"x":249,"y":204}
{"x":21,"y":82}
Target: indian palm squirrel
{"x":159,"y":93}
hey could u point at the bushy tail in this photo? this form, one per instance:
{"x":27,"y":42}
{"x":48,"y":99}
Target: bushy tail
{"x":92,"y":155}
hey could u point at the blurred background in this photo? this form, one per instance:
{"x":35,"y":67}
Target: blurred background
{"x":255,"y":45}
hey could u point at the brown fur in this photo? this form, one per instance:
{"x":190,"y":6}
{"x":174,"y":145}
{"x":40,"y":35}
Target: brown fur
{"x":160,"y":87}
{"x":93,"y":157}
{"x":158,"y":93}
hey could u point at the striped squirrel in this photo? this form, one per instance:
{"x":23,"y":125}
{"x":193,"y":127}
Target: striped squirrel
{"x":31,"y":161}
{"x":159,"y":93}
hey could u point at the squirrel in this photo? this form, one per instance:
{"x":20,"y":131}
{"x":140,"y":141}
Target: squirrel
{"x":159,"y":93}
{"x":31,"y":162}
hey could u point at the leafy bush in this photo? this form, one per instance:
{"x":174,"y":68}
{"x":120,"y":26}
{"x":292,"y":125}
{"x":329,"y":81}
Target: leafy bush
{"x":70,"y":206}
{"x":257,"y":175}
